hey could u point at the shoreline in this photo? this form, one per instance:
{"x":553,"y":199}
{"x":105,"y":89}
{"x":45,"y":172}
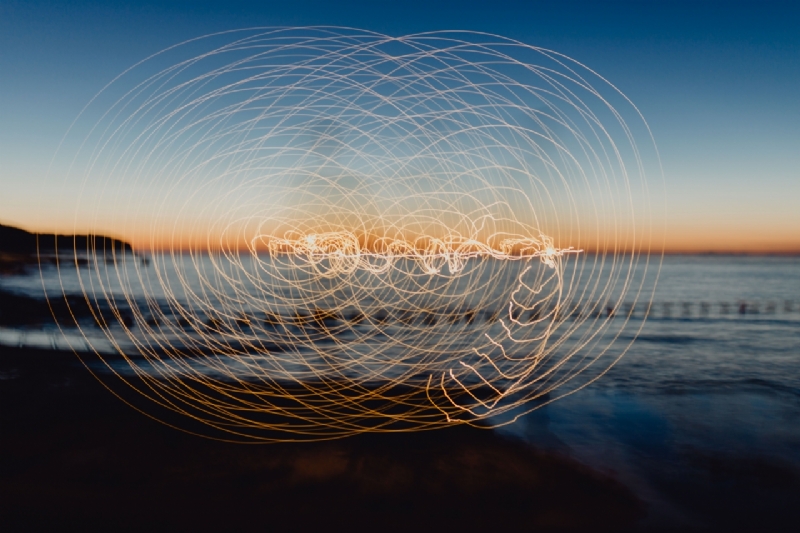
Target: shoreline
{"x":71,"y":453}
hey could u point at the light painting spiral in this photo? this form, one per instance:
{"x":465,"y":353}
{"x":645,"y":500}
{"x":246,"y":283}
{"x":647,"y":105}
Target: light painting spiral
{"x":336,"y":231}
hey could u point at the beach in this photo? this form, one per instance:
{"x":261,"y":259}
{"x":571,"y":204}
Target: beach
{"x":74,"y":456}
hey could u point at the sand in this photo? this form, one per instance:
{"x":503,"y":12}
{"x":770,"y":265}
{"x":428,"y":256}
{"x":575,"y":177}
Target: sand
{"x":72,"y":456}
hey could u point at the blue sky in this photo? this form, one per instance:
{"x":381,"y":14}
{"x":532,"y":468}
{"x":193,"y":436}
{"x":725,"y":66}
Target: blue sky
{"x":717,"y":82}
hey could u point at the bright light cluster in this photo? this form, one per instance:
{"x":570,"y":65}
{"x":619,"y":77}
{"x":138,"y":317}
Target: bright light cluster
{"x":340,"y":252}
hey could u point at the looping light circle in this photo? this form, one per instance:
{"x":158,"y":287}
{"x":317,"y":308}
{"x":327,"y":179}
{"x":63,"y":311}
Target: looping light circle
{"x":349,"y":232}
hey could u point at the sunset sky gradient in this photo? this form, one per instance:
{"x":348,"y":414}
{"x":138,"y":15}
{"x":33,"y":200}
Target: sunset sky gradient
{"x":716,"y":81}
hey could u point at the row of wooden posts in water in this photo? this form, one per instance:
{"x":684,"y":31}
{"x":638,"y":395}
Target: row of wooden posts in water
{"x":320,"y":318}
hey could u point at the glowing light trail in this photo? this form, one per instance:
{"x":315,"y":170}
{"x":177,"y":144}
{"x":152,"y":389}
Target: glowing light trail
{"x":353,"y":232}
{"x":342,"y":252}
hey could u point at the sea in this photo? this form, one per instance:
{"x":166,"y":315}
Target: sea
{"x":699,"y":412}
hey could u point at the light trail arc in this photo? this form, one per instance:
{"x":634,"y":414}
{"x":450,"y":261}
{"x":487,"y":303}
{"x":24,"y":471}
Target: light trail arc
{"x":352,"y":232}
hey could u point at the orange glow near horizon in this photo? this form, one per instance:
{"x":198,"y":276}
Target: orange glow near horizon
{"x":714,"y":241}
{"x":680,"y":238}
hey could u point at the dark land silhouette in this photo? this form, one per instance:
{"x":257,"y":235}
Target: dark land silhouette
{"x":21,"y":242}
{"x":21,"y":249}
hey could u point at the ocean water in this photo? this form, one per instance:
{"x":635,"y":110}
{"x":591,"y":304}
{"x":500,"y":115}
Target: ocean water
{"x":703,"y":408}
{"x":702,"y":415}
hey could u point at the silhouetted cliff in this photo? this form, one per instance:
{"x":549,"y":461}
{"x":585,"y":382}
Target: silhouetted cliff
{"x":15,"y":241}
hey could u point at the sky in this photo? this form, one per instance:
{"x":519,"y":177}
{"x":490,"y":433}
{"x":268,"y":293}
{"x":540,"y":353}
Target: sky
{"x":717,"y":83}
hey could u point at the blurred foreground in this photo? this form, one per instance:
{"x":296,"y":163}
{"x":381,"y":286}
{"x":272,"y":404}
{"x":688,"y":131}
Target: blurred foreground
{"x":74,"y":457}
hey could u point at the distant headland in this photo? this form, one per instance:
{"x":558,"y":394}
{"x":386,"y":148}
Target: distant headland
{"x":19,"y":247}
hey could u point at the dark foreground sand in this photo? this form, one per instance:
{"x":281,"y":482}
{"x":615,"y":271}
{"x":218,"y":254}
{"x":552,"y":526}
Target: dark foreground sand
{"x":73,"y":457}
